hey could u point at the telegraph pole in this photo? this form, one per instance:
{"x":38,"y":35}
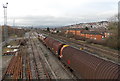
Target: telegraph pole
{"x":5,"y":22}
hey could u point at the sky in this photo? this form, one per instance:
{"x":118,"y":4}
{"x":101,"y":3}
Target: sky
{"x":56,"y":12}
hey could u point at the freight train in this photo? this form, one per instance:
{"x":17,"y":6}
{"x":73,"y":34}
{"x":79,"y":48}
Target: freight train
{"x":83,"y":64}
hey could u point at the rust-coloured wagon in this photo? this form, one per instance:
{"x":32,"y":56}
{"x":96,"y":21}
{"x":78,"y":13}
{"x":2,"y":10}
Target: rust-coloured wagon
{"x":88,"y":66}
{"x":57,"y":46}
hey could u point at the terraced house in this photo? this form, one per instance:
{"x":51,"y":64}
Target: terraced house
{"x":92,"y":35}
{"x":88,"y":34}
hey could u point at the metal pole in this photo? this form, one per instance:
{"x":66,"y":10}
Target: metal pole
{"x":5,"y":22}
{"x":4,"y":35}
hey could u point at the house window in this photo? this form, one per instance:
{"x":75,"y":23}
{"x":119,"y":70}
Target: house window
{"x":102,"y":36}
{"x":94,"y":38}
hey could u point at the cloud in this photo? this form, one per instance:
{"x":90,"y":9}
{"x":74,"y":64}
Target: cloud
{"x":53,"y":21}
{"x":44,"y":20}
{"x":58,"y":12}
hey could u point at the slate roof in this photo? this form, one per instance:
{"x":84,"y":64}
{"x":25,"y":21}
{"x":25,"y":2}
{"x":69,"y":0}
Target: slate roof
{"x":91,"y":32}
{"x":76,"y":29}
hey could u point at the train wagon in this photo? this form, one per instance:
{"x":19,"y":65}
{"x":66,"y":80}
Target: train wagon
{"x":84,"y":65}
{"x":42,"y":37}
{"x":88,"y":66}
{"x":108,"y":70}
{"x":57,"y":46}
{"x":46,"y":41}
{"x":49,"y":42}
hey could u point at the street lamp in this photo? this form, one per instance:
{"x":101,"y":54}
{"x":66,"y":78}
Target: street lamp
{"x":5,"y":21}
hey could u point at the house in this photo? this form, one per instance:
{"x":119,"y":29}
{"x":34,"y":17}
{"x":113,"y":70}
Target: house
{"x":92,"y":35}
{"x":86,"y":33}
{"x":75,"y":31}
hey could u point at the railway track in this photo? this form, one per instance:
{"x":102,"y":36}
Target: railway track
{"x":59,"y":73}
{"x":27,"y":74}
{"x":93,"y":49}
{"x":26,"y":64}
{"x":106,"y":53}
{"x":31,"y":62}
{"x":42,"y":72}
{"x":14,"y":69}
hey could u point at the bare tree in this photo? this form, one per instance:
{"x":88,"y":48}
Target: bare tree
{"x":114,"y":39}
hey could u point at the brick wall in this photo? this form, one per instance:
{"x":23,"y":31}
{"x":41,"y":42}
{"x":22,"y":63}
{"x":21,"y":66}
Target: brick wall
{"x":90,"y":36}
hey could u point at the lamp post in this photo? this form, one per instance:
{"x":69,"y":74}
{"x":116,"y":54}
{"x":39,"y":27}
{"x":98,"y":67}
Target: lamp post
{"x":5,"y":22}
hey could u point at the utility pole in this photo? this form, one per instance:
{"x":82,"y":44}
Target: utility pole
{"x":5,"y":22}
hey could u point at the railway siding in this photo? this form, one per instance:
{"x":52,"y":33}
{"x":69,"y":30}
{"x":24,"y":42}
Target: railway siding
{"x":55,"y":64}
{"x":105,"y":53}
{"x":33,"y":61}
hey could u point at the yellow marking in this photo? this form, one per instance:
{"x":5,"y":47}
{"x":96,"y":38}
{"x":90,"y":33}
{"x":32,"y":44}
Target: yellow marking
{"x":65,"y":46}
{"x":81,"y":48}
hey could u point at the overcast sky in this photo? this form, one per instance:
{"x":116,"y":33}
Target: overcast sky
{"x":57,"y":12}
